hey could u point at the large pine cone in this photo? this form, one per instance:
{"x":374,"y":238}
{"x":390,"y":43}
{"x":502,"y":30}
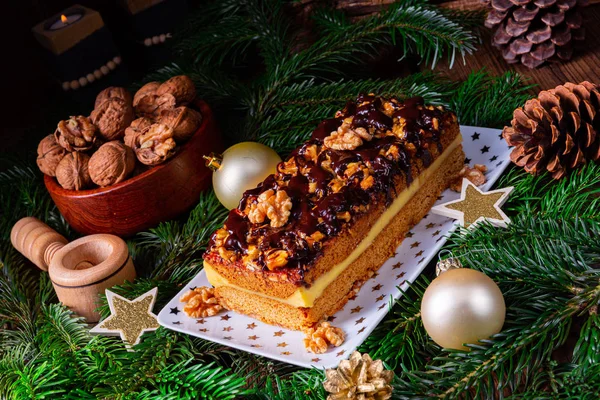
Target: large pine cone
{"x":535,"y":31}
{"x":558,"y":131}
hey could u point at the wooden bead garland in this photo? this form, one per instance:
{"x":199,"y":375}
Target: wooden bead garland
{"x":92,"y":76}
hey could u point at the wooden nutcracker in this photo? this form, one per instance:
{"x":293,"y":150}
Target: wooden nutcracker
{"x":79,"y":270}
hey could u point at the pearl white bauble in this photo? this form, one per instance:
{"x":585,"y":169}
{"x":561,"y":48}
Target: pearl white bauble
{"x":462,"y":306}
{"x":243,"y":166}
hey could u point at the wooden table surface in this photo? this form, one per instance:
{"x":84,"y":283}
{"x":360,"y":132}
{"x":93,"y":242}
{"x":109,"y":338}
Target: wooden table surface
{"x":585,"y":64}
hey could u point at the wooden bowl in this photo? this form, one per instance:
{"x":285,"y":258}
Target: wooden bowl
{"x":158,"y":194}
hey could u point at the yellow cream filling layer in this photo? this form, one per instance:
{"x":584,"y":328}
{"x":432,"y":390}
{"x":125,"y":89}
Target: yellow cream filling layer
{"x":305,"y":297}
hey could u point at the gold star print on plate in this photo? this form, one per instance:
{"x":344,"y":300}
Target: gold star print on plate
{"x":129,"y":318}
{"x":475,"y":206}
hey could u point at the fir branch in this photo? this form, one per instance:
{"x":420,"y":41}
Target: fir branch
{"x":230,"y":38}
{"x":259,"y":370}
{"x":60,"y":339}
{"x":215,"y":32}
{"x":208,"y":13}
{"x":425,"y":31}
{"x":330,"y":20}
{"x":179,"y":245}
{"x":139,"y":369}
{"x":187,"y":381}
{"x":301,"y":385}
{"x":22,"y":193}
{"x":586,"y":354}
{"x":299,"y":108}
{"x":271,"y":24}
{"x":19,"y":289}
{"x":29,"y":380}
{"x":534,"y":252}
{"x":484,"y":100}
{"x":575,"y":196}
{"x":401,"y":339}
{"x":433,"y":88}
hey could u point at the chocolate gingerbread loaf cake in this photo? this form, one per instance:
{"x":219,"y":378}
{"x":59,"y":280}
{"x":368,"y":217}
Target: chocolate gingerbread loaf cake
{"x":339,"y":205}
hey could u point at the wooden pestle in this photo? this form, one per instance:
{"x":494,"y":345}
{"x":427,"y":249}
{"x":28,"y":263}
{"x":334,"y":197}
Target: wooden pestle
{"x":79,"y":270}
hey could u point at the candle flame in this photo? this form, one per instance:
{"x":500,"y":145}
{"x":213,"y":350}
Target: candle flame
{"x":63,"y":18}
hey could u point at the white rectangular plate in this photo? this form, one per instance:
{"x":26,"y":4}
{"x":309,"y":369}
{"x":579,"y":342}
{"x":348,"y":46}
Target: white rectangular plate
{"x":363,"y":312}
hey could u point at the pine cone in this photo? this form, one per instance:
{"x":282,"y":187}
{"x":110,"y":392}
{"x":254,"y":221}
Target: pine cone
{"x":359,"y":378}
{"x":535,"y":31}
{"x":558,"y":131}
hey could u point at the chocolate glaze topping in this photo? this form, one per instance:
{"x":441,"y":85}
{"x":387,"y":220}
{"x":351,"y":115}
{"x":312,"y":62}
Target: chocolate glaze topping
{"x":328,"y":187}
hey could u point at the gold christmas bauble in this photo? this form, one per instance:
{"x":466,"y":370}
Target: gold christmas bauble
{"x":241,"y":167}
{"x":462,"y":306}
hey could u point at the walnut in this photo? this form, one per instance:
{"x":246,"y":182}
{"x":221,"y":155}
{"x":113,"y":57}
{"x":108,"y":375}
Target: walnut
{"x":112,"y":117}
{"x":49,"y":155}
{"x":344,"y":216}
{"x":183,"y":120}
{"x":342,"y":141}
{"x":273,"y":205}
{"x":389,"y":107}
{"x":288,"y":167}
{"x":220,"y":236}
{"x":155,"y":146}
{"x":112,"y":163}
{"x":137,"y":128}
{"x":346,"y":138}
{"x":76,"y":133}
{"x":475,"y":175}
{"x":152,"y":105}
{"x":149,"y":104}
{"x":112,"y":92}
{"x":148,"y":89}
{"x":181,"y":87}
{"x":367,"y":182}
{"x":72,"y":171}
{"x":318,"y":339}
{"x":317,"y":236}
{"x":392,"y":153}
{"x":276,"y":259}
{"x":311,"y":153}
{"x":351,"y":169}
{"x":201,"y":302}
{"x":336,"y":185}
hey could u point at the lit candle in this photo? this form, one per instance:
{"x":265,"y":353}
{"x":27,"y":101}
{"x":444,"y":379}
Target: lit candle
{"x":64,"y":21}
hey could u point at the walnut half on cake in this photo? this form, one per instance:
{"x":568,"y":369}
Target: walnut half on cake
{"x":335,"y":211}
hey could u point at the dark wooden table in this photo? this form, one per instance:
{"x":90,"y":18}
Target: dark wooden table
{"x":585,"y":64}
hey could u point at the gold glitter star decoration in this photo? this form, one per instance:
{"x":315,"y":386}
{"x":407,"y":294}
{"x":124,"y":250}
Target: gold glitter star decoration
{"x":129,"y":318}
{"x":475,"y":206}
